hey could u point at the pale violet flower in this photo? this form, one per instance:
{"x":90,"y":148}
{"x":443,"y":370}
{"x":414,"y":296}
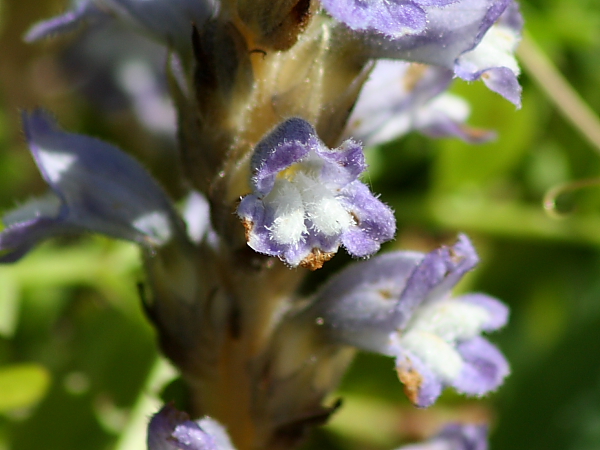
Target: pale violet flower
{"x":170,"y":429}
{"x":452,"y":39}
{"x":399,"y":304}
{"x":400,"y":97}
{"x":307,"y":200}
{"x":94,"y":187}
{"x":455,"y":437}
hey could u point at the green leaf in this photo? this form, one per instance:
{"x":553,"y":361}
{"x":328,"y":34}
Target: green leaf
{"x":461,"y":165}
{"x":22,"y":386}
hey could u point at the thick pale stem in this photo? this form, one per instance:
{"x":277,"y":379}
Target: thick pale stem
{"x":228,"y":392}
{"x":223,"y":338}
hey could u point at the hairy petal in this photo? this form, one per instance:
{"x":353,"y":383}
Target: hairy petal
{"x":375,"y":222}
{"x":452,"y":30}
{"x":439,"y":271}
{"x":391,"y":18}
{"x":285,"y":145}
{"x":484,"y":370}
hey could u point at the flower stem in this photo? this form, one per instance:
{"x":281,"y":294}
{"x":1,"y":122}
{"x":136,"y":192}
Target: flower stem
{"x":568,"y":102}
{"x":133,"y":436}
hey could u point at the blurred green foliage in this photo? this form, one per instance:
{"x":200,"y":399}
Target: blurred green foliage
{"x":76,"y":352}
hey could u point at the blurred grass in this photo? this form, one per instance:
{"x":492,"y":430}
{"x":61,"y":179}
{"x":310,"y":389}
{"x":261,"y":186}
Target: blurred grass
{"x":69,"y":313}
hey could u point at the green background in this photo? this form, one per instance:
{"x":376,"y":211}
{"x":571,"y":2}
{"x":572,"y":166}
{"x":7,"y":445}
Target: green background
{"x":78,"y":361}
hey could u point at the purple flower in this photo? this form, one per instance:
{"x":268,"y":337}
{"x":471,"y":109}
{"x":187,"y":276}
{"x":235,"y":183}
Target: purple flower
{"x":390,"y":17}
{"x":307,"y":199}
{"x":474,"y":38}
{"x":399,"y":304}
{"x":455,"y":437}
{"x":169,"y":21}
{"x":400,"y":97}
{"x":94,"y":187}
{"x":170,"y":429}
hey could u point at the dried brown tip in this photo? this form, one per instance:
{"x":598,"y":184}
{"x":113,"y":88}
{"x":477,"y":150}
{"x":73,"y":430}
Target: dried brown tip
{"x":412,"y":381}
{"x":316,"y":259}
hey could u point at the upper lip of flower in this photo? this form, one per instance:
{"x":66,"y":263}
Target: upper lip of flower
{"x":162,"y":20}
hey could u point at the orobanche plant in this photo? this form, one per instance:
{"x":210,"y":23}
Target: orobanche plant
{"x":274,"y":103}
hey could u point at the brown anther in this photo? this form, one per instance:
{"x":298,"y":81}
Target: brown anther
{"x":456,"y":258}
{"x":413,"y":75}
{"x":316,"y":259}
{"x":475,"y":133}
{"x":386,"y":294}
{"x":248,"y":225}
{"x":412,"y":381}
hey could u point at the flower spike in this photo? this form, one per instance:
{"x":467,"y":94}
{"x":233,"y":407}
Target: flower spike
{"x":307,"y":199}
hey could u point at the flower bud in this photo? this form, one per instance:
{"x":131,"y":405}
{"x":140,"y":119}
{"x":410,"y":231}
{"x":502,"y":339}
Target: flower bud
{"x":275,"y":25}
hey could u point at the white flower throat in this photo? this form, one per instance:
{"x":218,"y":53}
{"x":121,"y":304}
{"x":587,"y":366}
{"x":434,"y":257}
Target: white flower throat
{"x":301,"y":200}
{"x":436,"y":329}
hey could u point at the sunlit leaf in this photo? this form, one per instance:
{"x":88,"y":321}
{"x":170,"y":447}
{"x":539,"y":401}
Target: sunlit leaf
{"x":22,"y":386}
